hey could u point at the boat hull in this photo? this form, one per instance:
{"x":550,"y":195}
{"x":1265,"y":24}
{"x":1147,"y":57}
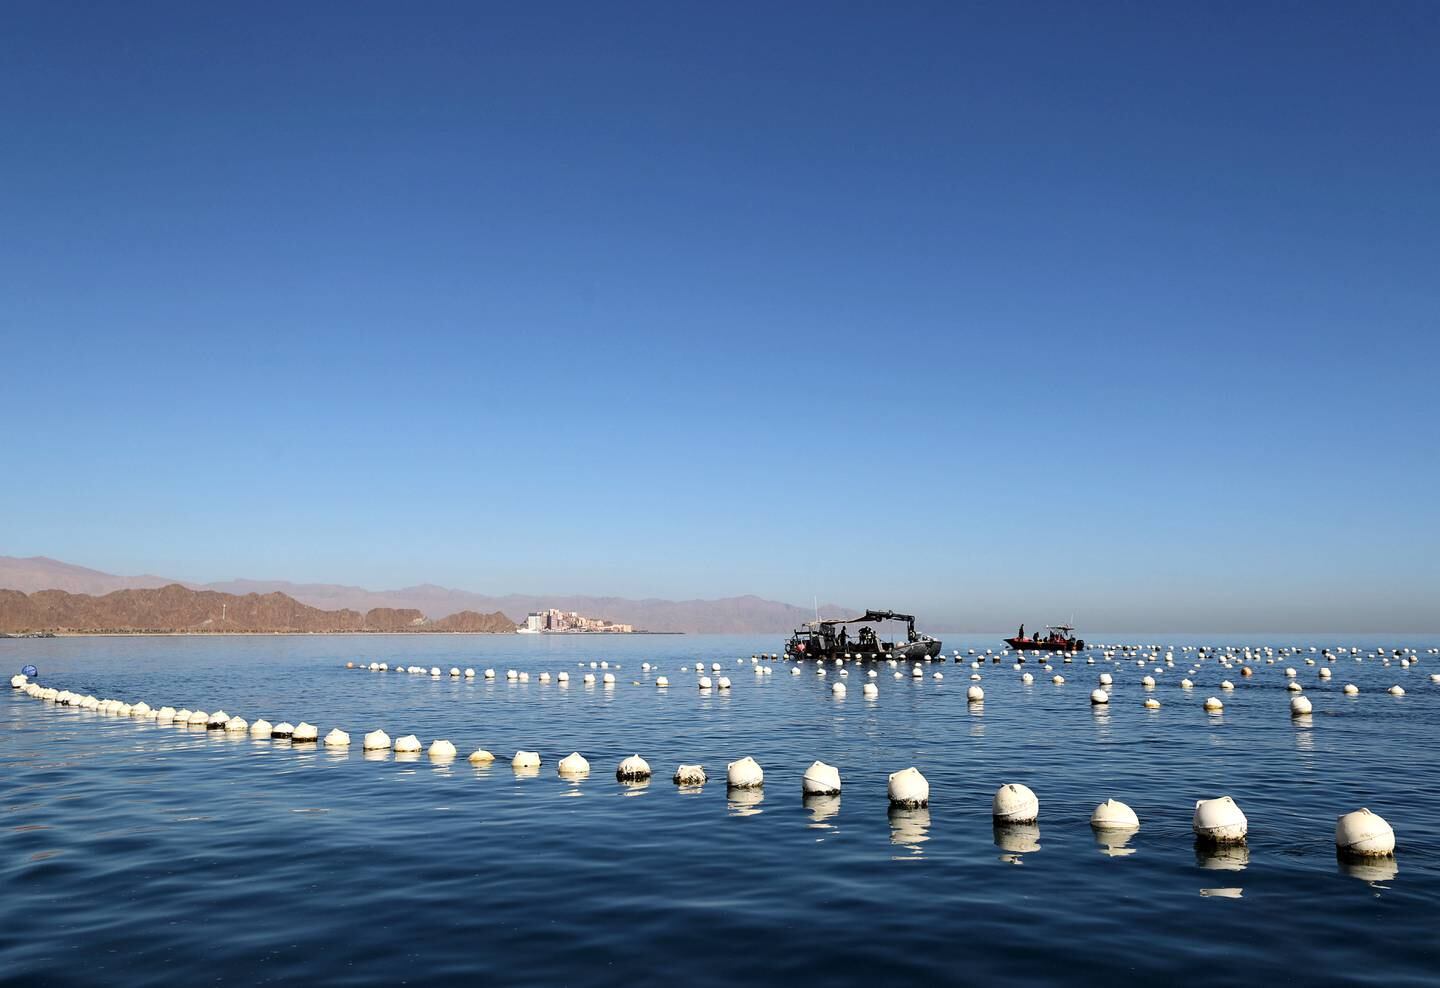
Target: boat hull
{"x":1032,"y":645}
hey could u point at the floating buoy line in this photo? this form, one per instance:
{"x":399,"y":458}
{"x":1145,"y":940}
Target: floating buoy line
{"x":1217,"y":821}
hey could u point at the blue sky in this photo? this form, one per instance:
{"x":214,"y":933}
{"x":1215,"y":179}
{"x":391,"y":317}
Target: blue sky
{"x":1001,"y":312}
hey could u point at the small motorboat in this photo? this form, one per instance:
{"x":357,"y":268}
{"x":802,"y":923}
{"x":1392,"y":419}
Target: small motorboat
{"x":1057,"y":638}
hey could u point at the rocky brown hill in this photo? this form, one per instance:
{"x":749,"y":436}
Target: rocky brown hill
{"x":175,"y":608}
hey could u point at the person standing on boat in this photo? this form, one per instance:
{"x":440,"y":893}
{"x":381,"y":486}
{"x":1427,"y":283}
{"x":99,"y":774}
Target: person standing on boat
{"x":1021,"y":635}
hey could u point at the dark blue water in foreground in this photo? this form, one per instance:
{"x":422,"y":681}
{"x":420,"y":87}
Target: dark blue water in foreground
{"x":139,"y":854}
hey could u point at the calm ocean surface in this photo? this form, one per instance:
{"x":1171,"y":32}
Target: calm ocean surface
{"x":140,"y":854}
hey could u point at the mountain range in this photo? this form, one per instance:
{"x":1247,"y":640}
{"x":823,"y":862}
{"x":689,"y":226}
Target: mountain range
{"x":729,"y":615}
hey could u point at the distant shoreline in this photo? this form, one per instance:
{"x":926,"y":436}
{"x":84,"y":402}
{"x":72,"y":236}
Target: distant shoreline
{"x":23,"y":636}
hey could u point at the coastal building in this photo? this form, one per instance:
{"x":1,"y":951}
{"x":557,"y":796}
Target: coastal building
{"x":555,"y":620}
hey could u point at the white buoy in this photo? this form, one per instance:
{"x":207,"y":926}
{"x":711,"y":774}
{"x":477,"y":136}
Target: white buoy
{"x":258,"y":729}
{"x":455,"y":673}
{"x":1015,"y":803}
{"x":435,"y":671}
{"x":304,"y":733}
{"x":481,"y":757}
{"x":469,"y":673}
{"x":908,"y":788}
{"x":1148,"y":682}
{"x":821,"y":780}
{"x":1219,"y":821}
{"x":1058,"y":679}
{"x":662,"y":681}
{"x":376,"y":741}
{"x":19,"y":681}
{"x":1114,"y":815}
{"x":489,"y":673}
{"x":838,"y":691}
{"x":562,"y":677}
{"x":1151,"y":703}
{"x":917,"y":672}
{"x":237,"y":725}
{"x":1106,"y":679}
{"x":633,"y":769}
{"x":442,"y":750}
{"x":974,"y":694}
{"x":1364,"y":834}
{"x":1299,"y":706}
{"x":706,"y":684}
{"x":1027,"y":679}
{"x":1397,"y":691}
{"x":871,"y":691}
{"x":744,"y":774}
{"x":1213,"y":704}
{"x":1351,"y":689}
{"x":408,"y":745}
{"x":337,"y":739}
{"x":1099,"y":696}
{"x":283,"y":731}
{"x":723,"y":683}
{"x":198,"y":718}
{"x":608,"y":679}
{"x":164,"y":715}
{"x":525,"y":760}
{"x":690,"y":775}
{"x":573,"y":766}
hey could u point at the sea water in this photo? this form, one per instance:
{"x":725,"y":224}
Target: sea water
{"x":140,"y":854}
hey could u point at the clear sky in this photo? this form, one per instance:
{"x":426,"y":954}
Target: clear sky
{"x":997,"y":312}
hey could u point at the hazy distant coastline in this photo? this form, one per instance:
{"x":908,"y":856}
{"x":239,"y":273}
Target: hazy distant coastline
{"x":747,"y":614}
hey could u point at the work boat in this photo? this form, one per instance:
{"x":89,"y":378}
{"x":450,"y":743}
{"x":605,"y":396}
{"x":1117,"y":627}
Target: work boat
{"x":831,"y":639}
{"x":1057,"y":638}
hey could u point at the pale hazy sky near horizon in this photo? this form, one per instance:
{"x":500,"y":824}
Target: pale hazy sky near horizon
{"x":1000,"y":312}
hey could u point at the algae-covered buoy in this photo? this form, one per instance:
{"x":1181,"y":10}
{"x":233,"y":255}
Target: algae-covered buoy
{"x":1015,"y":803}
{"x":1114,"y":815}
{"x":1219,"y":821}
{"x":821,"y":779}
{"x":744,"y":774}
{"x":632,"y":769}
{"x":1364,"y":834}
{"x":908,"y":788}
{"x":690,"y":775}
